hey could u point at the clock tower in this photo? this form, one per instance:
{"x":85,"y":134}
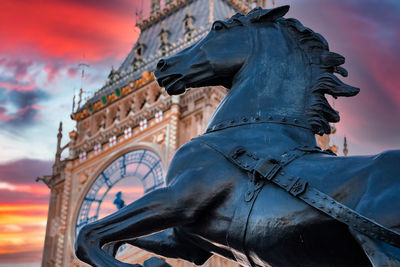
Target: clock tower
{"x":128,"y":131}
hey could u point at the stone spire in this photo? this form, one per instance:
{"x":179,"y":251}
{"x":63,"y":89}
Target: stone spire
{"x":188,"y":27}
{"x":164,"y":43}
{"x":154,"y":7}
{"x":169,"y":2}
{"x":345,"y":150}
{"x":59,"y":149}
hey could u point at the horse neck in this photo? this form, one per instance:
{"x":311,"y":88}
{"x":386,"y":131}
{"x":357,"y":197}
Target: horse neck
{"x":270,"y":86}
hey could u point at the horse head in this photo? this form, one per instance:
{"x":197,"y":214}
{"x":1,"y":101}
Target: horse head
{"x":214,"y":60}
{"x":272,"y":66}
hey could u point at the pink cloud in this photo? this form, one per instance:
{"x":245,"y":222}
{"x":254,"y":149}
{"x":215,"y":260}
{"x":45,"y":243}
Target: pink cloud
{"x":367,"y":35}
{"x":12,"y":84}
{"x":72,"y":30}
{"x":72,"y":72}
{"x":5,"y":116}
{"x":18,"y":68}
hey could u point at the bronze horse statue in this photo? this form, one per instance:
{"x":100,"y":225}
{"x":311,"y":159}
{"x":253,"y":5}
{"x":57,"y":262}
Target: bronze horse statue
{"x":255,"y":188}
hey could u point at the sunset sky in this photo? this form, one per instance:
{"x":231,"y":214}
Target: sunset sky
{"x":42,"y":42}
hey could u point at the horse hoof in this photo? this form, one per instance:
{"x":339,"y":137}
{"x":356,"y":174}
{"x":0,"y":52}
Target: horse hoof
{"x":112,"y":248}
{"x":155,"y":262}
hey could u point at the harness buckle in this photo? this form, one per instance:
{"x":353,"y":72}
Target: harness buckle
{"x":297,"y":187}
{"x":237,"y":152}
{"x":267,"y":168}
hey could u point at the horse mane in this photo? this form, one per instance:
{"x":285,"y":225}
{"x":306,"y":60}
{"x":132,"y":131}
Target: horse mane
{"x":324,"y":64}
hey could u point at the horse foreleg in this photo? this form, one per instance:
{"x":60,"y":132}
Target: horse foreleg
{"x":378,"y":252}
{"x":169,"y":244}
{"x":154,"y":212}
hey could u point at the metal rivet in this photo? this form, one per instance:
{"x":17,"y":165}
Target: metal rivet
{"x":325,"y":197}
{"x":257,"y":118}
{"x":232,"y":122}
{"x":270,"y":118}
{"x":291,"y":179}
{"x":277,"y":180}
{"x":316,"y":193}
{"x":244,"y":119}
{"x":333,"y":202}
{"x":284,"y":185}
{"x":296,"y":121}
{"x":313,"y":201}
{"x":282,"y":173}
{"x":283,"y":119}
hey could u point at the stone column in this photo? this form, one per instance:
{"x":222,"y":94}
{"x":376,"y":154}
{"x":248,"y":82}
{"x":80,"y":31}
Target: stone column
{"x":172,"y":141}
{"x":64,"y":214}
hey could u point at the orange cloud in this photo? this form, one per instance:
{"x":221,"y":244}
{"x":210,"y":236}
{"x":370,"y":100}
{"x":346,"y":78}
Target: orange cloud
{"x":32,"y":188}
{"x":22,"y":230}
{"x":23,"y":211}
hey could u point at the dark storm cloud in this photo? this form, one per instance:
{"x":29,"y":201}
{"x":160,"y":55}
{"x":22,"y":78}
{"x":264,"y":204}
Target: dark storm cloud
{"x":24,"y":171}
{"x":20,"y":109}
{"x":23,"y":99}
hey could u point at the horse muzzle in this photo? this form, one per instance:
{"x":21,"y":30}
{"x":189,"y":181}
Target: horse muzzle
{"x":173,"y":83}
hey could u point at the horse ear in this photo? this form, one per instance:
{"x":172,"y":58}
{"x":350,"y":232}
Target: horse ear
{"x":258,"y":14}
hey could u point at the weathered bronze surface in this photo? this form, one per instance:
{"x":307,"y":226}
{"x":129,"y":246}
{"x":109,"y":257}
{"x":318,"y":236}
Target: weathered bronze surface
{"x":254,"y":188}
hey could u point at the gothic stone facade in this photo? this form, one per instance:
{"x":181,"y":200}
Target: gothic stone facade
{"x":130,"y":115}
{"x":182,"y":118}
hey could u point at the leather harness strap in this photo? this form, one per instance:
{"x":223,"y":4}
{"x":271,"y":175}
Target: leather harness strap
{"x":246,"y":120}
{"x":263,"y":170}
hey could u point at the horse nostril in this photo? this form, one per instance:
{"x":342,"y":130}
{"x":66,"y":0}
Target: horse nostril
{"x":161,"y":65}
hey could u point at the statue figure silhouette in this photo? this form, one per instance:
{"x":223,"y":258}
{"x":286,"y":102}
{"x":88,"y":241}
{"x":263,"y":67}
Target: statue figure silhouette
{"x":255,"y":188}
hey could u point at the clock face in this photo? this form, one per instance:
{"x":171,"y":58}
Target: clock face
{"x":122,"y":182}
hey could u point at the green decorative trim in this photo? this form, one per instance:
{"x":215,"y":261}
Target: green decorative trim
{"x":90,"y":108}
{"x":118,"y":92}
{"x":104,"y":99}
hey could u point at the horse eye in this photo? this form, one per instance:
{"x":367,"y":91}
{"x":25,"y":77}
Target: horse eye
{"x":217,"y":26}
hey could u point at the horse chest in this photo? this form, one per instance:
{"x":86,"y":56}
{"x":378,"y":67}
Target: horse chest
{"x":281,"y":230}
